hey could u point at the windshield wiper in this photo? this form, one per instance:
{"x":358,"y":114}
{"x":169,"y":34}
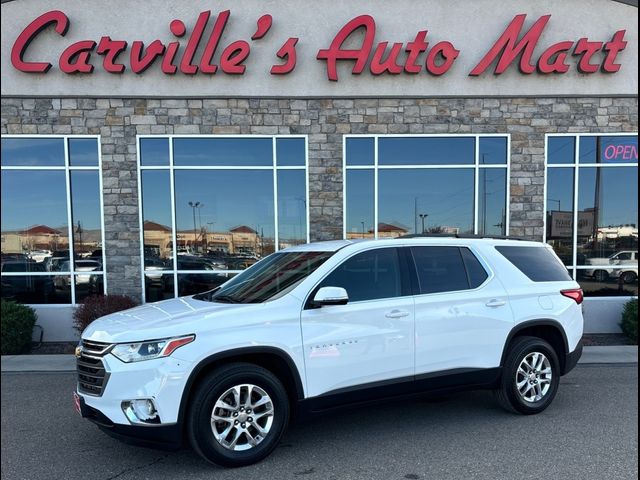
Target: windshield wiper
{"x":225,"y":299}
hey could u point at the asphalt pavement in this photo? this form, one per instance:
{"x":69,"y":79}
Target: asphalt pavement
{"x":589,"y":432}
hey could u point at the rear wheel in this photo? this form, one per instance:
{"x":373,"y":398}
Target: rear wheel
{"x":629,"y":277}
{"x":530,"y":376}
{"x":600,"y":275}
{"x":238,"y":415}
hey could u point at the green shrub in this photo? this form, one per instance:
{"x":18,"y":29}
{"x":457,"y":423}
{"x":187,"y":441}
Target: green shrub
{"x":96,"y":306}
{"x":17,"y":323}
{"x":629,"y":322}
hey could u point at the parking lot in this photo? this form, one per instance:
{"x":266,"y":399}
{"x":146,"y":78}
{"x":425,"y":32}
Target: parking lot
{"x":589,"y":432}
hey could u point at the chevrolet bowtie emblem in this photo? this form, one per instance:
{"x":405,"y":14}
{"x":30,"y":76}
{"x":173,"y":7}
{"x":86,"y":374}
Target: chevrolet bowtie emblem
{"x":78,"y":351}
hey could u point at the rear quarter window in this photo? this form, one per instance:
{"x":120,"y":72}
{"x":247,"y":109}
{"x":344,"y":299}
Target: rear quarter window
{"x":537,"y":263}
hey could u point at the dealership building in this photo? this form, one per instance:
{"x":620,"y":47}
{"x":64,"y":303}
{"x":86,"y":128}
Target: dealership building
{"x":156,"y":149}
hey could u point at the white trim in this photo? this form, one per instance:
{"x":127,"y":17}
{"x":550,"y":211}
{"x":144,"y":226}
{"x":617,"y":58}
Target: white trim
{"x":575,"y":167}
{"x":68,"y":169}
{"x":276,"y":203}
{"x":171,"y":168}
{"x":476,"y":166}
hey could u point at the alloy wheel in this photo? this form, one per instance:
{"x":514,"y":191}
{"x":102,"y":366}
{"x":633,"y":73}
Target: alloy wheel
{"x":533,"y":377}
{"x":242,"y":417}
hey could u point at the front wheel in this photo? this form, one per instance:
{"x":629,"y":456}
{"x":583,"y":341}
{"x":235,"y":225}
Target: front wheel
{"x":629,"y":277}
{"x":238,"y":415}
{"x":530,"y":376}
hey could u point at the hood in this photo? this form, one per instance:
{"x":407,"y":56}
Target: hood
{"x":168,"y":318}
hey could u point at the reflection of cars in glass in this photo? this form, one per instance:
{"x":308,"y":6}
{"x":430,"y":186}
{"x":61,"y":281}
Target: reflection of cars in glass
{"x":62,"y":281}
{"x":601,"y":272}
{"x":27,"y":288}
{"x":322,"y":324}
{"x":153,"y":268}
{"x":52,"y":264}
{"x":39,"y":255}
{"x":627,"y":275}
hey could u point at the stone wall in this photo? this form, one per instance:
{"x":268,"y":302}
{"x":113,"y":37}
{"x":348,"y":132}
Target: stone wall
{"x":118,"y":121}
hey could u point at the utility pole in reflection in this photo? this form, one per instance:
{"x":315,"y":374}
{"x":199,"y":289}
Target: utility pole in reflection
{"x":79,"y":232}
{"x":362,"y":229}
{"x":193,"y":206}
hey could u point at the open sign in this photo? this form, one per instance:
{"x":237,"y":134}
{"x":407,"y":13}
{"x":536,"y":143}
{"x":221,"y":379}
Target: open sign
{"x":621,"y":152}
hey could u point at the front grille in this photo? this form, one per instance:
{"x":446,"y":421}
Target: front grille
{"x":92,"y":376}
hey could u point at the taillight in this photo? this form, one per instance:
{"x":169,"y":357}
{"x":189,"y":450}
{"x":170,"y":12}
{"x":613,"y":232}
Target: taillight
{"x":574,"y":293}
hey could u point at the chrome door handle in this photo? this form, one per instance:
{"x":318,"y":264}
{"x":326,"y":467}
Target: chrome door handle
{"x":494,"y":302}
{"x":396,"y":314}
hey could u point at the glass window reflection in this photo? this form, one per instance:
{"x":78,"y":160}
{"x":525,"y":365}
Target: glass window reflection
{"x":29,"y":152}
{"x":561,"y":150}
{"x":425,"y":201}
{"x":156,"y":214}
{"x":608,"y":204}
{"x":37,"y":289}
{"x":560,"y":212}
{"x":493,"y":150}
{"x":426,"y":150}
{"x":608,"y":149}
{"x":360,"y":204}
{"x":292,"y":208}
{"x":236,"y":205}
{"x":34,"y":215}
{"x":83,"y":152}
{"x":290,"y":152}
{"x":492,"y":197}
{"x":85,"y":214}
{"x":223,"y":152}
{"x":360,"y":151}
{"x":154,"y":151}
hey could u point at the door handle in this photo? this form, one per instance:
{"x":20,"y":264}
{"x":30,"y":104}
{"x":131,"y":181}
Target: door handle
{"x":396,"y":314}
{"x":495,"y":302}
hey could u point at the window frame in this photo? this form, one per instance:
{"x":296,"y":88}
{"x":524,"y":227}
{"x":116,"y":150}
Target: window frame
{"x":67,"y":168}
{"x":476,"y":166}
{"x":575,"y":167}
{"x":172,"y":168}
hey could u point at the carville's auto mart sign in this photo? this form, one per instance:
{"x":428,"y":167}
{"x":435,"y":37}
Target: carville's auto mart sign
{"x":330,"y":48}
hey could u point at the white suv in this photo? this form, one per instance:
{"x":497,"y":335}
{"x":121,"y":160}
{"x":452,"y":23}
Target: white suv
{"x":325,"y":324}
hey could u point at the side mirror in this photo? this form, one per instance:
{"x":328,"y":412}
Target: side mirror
{"x":331,"y":296}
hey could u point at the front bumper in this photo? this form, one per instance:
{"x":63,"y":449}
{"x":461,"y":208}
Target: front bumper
{"x":571,"y":359}
{"x":163,"y":380}
{"x":167,"y":437}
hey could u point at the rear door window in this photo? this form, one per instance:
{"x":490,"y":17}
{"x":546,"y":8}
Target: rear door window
{"x":537,"y":263}
{"x":475,"y":271}
{"x":369,"y":275}
{"x":440,"y":269}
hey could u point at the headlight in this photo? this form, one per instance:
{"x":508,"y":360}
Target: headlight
{"x":136,"y":352}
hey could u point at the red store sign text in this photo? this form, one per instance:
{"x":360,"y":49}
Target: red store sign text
{"x":515,"y":44}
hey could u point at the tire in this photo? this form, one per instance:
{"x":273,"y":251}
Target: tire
{"x":600,"y":275}
{"x":508,"y":394}
{"x":236,"y":378}
{"x":629,"y":277}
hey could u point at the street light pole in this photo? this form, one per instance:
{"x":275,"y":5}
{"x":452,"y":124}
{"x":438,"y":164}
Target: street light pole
{"x":362,"y":229}
{"x":193,"y":206}
{"x":423,"y":217}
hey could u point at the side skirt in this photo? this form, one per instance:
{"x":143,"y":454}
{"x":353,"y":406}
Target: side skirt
{"x":435,"y":383}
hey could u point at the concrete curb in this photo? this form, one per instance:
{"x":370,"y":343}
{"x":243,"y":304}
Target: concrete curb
{"x":67,"y":363}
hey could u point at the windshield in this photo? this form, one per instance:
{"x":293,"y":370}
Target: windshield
{"x":272,"y":277}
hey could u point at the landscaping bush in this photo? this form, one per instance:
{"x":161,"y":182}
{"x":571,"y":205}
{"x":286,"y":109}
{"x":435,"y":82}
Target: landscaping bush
{"x":96,"y":306}
{"x":16,"y":323}
{"x":629,"y":322}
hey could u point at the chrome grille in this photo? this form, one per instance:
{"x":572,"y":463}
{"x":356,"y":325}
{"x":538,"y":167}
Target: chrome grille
{"x":92,"y":376}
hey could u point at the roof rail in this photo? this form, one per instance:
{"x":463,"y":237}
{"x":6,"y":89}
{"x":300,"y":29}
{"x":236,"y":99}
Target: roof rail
{"x":462,"y":235}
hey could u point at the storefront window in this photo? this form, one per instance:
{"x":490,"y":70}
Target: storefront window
{"x":601,"y":179}
{"x":398,"y":185}
{"x":213,"y":206}
{"x":51,"y":194}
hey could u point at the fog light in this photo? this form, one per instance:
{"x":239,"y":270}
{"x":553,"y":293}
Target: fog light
{"x":141,"y":411}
